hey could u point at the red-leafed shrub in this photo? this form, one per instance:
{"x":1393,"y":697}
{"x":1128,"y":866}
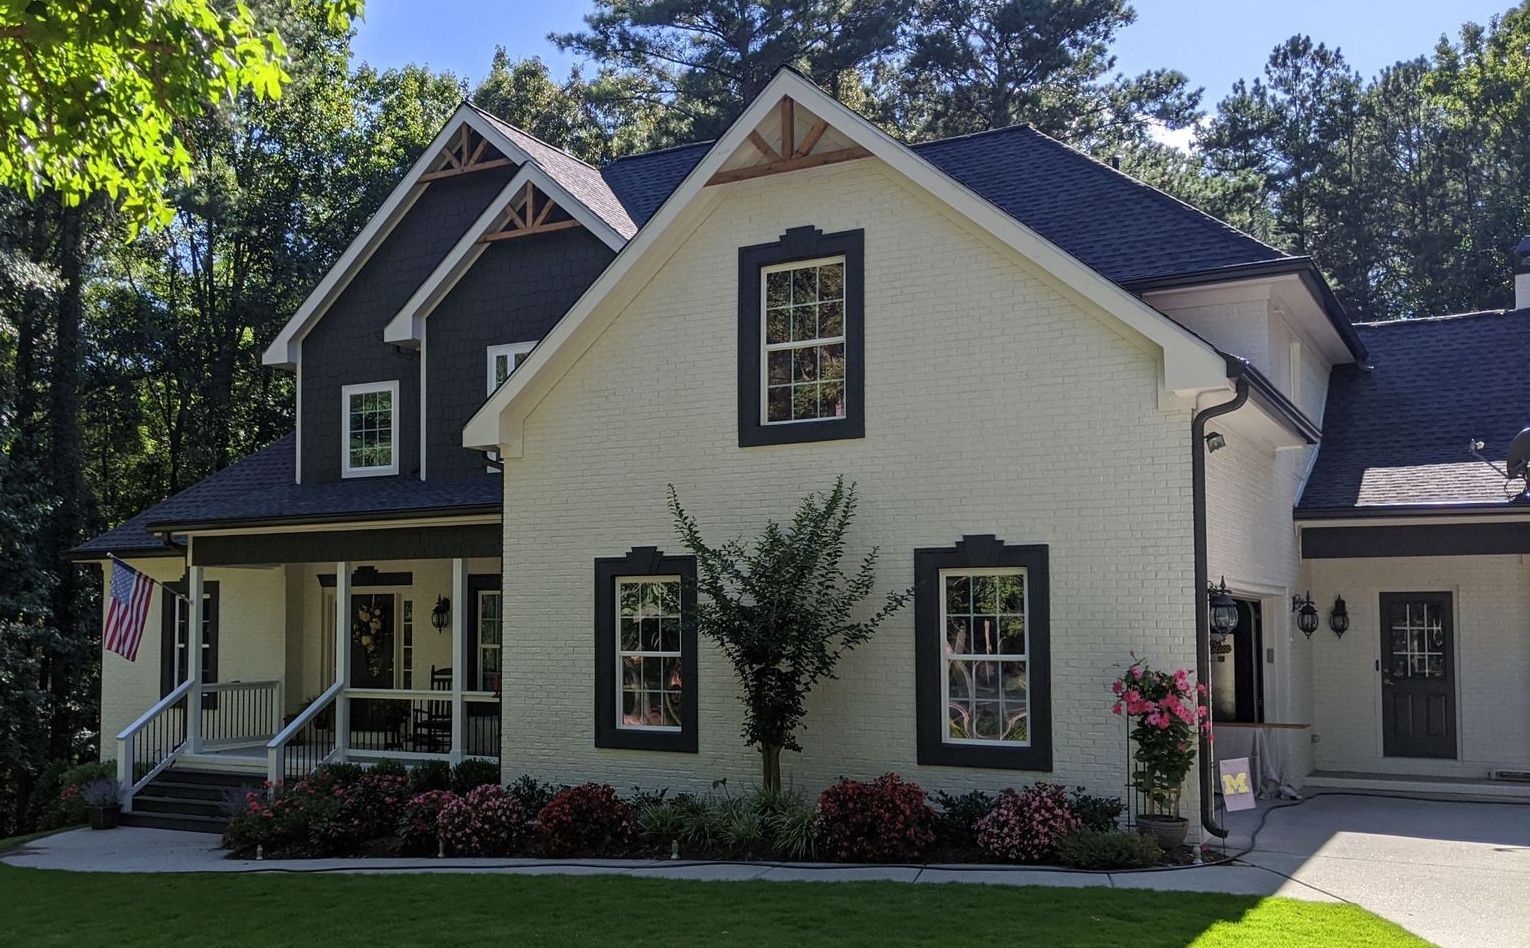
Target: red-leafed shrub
{"x":487,"y":821}
{"x":1026,"y":825}
{"x":885,"y":820}
{"x":419,"y":829}
{"x":587,"y":820}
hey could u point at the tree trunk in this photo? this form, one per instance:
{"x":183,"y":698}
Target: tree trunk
{"x":770,"y":756}
{"x":68,"y":484}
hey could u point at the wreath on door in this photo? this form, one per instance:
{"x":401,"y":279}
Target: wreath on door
{"x":366,"y":632}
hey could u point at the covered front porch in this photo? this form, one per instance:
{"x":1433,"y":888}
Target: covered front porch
{"x":312,"y":651}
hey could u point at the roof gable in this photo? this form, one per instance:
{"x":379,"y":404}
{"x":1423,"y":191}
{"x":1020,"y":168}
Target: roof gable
{"x":471,"y":140}
{"x":1189,"y":363}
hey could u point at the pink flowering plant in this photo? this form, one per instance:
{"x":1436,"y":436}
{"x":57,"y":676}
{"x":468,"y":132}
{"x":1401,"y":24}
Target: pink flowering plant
{"x":1026,"y":825}
{"x":419,"y":828}
{"x":487,"y":821}
{"x":1167,"y":715}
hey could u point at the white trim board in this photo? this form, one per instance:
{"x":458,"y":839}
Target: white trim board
{"x":1189,"y":363}
{"x":408,"y":325}
{"x":286,"y":349}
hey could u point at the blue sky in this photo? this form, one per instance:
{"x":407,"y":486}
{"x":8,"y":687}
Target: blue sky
{"x":1212,"y":41}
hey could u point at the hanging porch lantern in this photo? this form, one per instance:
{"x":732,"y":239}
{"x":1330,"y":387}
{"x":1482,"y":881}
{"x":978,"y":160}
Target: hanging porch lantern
{"x":1224,"y":610}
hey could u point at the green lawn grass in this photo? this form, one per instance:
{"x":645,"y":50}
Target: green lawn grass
{"x":384,"y":911}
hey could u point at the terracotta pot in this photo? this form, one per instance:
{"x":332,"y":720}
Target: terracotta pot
{"x":104,"y":817}
{"x":1169,"y":831}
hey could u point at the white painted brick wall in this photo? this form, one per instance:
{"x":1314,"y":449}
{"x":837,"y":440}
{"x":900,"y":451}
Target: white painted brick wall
{"x":1492,"y":627}
{"x":994,"y":406}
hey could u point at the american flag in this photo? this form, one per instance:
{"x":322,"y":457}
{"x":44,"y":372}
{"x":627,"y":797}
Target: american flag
{"x":131,"y":591}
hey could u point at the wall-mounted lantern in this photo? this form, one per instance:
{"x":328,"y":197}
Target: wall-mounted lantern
{"x":441,"y":615}
{"x":1306,"y":614}
{"x":1224,"y":611}
{"x":1338,"y":617}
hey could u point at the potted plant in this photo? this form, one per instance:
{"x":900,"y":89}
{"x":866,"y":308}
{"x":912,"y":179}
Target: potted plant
{"x":1167,"y":716}
{"x":103,"y":802}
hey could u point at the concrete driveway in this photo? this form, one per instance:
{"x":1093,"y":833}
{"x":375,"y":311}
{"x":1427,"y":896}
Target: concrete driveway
{"x":1456,"y":873}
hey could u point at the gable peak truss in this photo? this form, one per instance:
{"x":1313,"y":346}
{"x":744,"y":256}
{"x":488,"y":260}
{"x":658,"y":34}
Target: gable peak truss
{"x":530,"y":212}
{"x":788,"y":139}
{"x":464,"y":152}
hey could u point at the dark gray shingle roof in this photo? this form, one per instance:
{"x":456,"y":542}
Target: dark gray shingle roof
{"x":1397,"y":434}
{"x":1111,"y":221}
{"x":260,"y":488}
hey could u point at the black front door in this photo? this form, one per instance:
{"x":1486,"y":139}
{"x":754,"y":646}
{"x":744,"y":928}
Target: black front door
{"x":1418,"y":689}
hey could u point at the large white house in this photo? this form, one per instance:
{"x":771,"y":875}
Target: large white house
{"x":1072,"y":406}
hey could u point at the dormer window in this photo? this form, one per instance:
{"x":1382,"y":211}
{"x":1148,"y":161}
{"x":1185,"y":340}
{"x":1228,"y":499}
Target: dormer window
{"x":801,"y":376}
{"x":369,"y":425}
{"x":505,"y":359}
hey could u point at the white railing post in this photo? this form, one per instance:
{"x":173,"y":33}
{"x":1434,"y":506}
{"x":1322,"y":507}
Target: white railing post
{"x":125,"y":771}
{"x":279,"y":707}
{"x":194,"y":610}
{"x":459,"y":658}
{"x":342,"y":657}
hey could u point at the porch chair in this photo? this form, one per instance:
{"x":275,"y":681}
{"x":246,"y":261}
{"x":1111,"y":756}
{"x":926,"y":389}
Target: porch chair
{"x":433,"y":723}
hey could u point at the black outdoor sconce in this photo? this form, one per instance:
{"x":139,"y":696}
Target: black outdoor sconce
{"x":441,"y":615}
{"x":1338,"y":618}
{"x":1306,"y":614}
{"x":1224,"y":611}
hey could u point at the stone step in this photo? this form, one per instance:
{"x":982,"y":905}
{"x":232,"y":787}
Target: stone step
{"x":179,"y":806}
{"x":189,"y":824}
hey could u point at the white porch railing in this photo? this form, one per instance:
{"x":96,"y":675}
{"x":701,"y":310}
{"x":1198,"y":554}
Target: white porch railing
{"x":240,"y":713}
{"x":310,"y":740}
{"x":151,"y":743}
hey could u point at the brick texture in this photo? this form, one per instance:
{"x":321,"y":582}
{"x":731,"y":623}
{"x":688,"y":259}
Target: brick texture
{"x":995,"y":405}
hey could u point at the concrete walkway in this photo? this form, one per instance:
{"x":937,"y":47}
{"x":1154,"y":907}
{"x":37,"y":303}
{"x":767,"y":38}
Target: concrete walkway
{"x":1453,"y":872}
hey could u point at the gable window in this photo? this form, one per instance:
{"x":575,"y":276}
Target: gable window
{"x":981,"y":618}
{"x":801,"y":376}
{"x":370,"y":429}
{"x":645,"y":677}
{"x":175,"y":637}
{"x":505,"y":359}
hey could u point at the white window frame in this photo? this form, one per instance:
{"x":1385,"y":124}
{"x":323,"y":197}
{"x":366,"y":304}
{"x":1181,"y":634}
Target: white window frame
{"x":497,"y":647}
{"x":767,"y":347}
{"x":946,"y":658}
{"x":678,"y":654}
{"x":509,"y":350}
{"x":367,"y":388}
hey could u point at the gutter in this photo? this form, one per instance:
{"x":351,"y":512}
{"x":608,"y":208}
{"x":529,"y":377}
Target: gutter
{"x":1202,"y":618}
{"x":1273,"y":398}
{"x":354,"y":516}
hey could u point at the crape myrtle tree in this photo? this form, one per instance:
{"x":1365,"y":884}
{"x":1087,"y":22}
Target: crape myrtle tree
{"x":784,"y":611}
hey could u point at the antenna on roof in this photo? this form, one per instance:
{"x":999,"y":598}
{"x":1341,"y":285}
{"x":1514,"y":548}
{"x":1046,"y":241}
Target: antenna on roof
{"x":1516,"y":470}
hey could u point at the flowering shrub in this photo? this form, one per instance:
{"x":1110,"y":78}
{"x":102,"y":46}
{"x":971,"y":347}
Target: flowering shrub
{"x":587,"y":820}
{"x":487,"y":821}
{"x":419,"y":829}
{"x":1167,"y":715}
{"x":1026,"y":825}
{"x":333,"y":810}
{"x":884,"y":820}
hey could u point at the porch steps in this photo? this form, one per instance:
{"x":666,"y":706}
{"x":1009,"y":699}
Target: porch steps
{"x":188,"y":799}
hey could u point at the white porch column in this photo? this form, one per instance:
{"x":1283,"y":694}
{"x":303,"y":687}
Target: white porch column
{"x":194,"y":584}
{"x":459,"y":657}
{"x":342,"y":657}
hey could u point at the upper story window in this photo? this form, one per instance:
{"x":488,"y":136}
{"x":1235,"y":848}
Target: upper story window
{"x":982,"y":655}
{"x":505,"y":359}
{"x":645,"y":651}
{"x":369,"y":444}
{"x":801,"y":376}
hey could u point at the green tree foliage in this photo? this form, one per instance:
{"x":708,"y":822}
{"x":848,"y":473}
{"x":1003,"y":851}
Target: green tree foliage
{"x":703,"y":60}
{"x":974,"y":65}
{"x":784,"y":611}
{"x":95,"y":89}
{"x":615,"y":114}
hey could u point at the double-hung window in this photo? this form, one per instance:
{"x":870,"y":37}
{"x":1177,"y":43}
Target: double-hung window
{"x":645,"y":675}
{"x":490,"y":639}
{"x":801,"y":302}
{"x":504,"y":360}
{"x":982,"y":655}
{"x":369,"y":437}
